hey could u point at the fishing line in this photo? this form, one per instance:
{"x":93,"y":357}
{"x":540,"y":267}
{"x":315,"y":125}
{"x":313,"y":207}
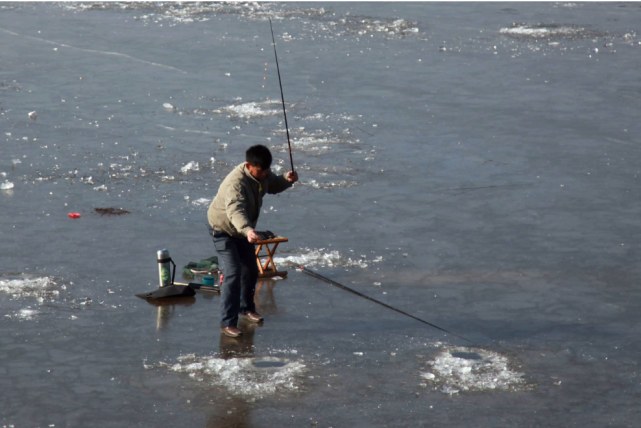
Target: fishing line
{"x":282,"y":97}
{"x":322,"y":278}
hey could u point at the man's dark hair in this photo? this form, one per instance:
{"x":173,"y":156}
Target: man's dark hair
{"x":259,"y":155}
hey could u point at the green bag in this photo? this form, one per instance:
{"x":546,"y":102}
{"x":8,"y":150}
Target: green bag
{"x":203,"y":266}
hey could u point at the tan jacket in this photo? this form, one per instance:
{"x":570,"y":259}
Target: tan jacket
{"x":236,"y":207}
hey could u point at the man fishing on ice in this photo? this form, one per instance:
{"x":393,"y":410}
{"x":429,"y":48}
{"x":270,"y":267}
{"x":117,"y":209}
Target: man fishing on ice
{"x":232,"y":217}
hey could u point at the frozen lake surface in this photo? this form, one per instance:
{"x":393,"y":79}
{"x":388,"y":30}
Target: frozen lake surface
{"x":475,"y":165}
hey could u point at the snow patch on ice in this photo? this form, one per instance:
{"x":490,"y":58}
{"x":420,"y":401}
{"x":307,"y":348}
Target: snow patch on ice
{"x":459,"y":369}
{"x":315,"y":141}
{"x":251,"y":110}
{"x":26,"y":314}
{"x":323,"y":258}
{"x":321,"y":117}
{"x":201,"y":202}
{"x":240,"y":375}
{"x":191,"y":166}
{"x":28,"y":287}
{"x":332,"y":184}
{"x":316,"y":19}
{"x":538,"y":31}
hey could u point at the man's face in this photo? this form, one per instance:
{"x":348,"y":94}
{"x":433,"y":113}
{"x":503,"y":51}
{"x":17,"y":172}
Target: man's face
{"x":257,"y":172}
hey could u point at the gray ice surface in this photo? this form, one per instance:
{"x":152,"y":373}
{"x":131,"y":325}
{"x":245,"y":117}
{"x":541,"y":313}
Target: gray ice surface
{"x":473,"y":164}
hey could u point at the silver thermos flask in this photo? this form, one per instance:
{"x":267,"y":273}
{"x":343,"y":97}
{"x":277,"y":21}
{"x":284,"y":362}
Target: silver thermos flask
{"x":164,"y":271}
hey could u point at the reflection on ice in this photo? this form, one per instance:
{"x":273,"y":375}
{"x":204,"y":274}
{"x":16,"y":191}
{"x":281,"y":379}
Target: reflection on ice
{"x":256,"y":377}
{"x":458,"y":369}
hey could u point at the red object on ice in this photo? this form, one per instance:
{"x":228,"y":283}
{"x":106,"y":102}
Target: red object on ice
{"x":74,"y":215}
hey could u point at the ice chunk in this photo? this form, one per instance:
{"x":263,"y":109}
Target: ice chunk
{"x":33,"y":115}
{"x":191,"y":166}
{"x":202,"y":202}
{"x":446,"y":389}
{"x":101,"y":188}
{"x":6,"y":185}
{"x":168,"y":106}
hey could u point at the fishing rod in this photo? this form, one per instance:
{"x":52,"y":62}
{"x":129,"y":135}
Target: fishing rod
{"x":322,"y":278}
{"x":282,"y":97}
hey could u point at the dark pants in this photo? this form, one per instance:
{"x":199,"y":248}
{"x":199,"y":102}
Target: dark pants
{"x":237,"y":259}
